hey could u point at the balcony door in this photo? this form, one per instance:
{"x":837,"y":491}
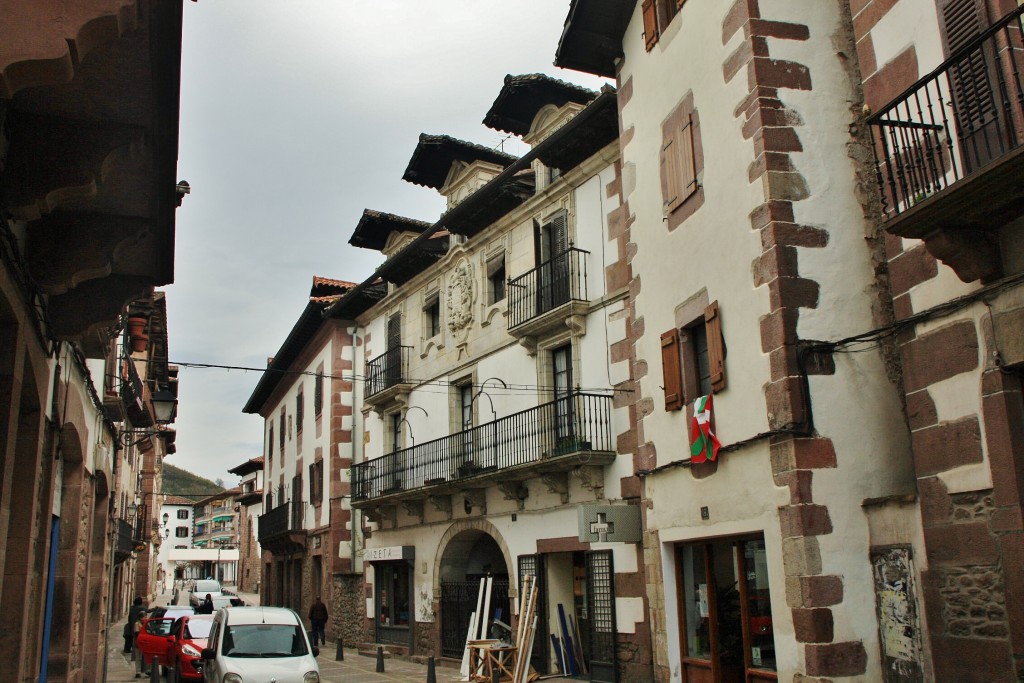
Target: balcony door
{"x":553,"y":254}
{"x":975,"y":82}
{"x":561,"y":375}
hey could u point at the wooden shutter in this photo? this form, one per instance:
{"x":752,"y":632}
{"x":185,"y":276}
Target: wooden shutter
{"x":558,"y":234}
{"x":679,"y":168}
{"x":716,"y":346}
{"x":687,"y":165}
{"x":670,"y":173}
{"x":650,"y":11}
{"x":312,"y":483}
{"x":671,"y":369}
{"x":395,"y":331}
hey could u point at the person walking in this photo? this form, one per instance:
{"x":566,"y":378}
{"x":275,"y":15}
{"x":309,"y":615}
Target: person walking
{"x":318,"y":617}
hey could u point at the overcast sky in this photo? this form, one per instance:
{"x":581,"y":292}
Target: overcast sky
{"x":295,"y":116}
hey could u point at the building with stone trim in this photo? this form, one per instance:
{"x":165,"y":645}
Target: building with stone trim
{"x":842,"y":178}
{"x":88,"y":192}
{"x":306,"y":401}
{"x":250,"y":502}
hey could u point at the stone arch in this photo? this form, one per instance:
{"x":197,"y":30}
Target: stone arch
{"x":481,"y":526}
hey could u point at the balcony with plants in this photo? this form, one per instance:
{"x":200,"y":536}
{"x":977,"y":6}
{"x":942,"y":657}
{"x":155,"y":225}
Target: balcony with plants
{"x":949,"y":156}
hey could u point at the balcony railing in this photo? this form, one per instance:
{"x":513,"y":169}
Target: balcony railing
{"x":281,"y":521}
{"x":553,"y":283}
{"x":578,"y":423}
{"x":125,"y":541}
{"x":387,"y":370}
{"x":963,"y":115}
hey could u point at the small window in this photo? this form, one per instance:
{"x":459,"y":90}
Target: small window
{"x":554,"y":174}
{"x":182,"y":514}
{"x":693,"y":359}
{"x":270,"y":442}
{"x":181,"y":532}
{"x":281,"y":436}
{"x":496,"y":279}
{"x":318,"y":393}
{"x":657,"y":16}
{"x":432,"y":316}
{"x":316,"y":482}
{"x":299,"y":411}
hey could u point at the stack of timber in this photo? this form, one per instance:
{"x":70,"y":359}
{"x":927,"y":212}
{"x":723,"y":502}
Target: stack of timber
{"x":484,"y":657}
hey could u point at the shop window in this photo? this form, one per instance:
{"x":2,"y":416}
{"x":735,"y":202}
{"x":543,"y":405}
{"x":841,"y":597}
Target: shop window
{"x":392,"y":594}
{"x":693,"y":359}
{"x":726,"y":615}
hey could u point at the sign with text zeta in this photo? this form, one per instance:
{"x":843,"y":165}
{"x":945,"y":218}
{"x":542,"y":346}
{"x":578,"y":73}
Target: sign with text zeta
{"x":394,"y":552}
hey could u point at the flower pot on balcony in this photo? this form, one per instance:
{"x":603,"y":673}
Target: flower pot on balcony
{"x":136,"y":325}
{"x":140,"y":342}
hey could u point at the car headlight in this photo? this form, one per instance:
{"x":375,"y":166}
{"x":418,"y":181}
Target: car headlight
{"x":232,"y":678}
{"x":311,"y":677}
{"x":191,"y":651}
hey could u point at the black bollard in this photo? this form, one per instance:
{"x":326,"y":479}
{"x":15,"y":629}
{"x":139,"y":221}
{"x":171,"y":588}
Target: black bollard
{"x":380,"y":659}
{"x":154,"y":671}
{"x":339,"y":656}
{"x":431,"y":674}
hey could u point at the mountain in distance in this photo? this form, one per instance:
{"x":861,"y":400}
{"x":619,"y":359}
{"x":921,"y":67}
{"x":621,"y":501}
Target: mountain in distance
{"x":182,"y":483}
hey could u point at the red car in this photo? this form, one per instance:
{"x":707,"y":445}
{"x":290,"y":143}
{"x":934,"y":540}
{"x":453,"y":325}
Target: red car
{"x":185,"y":646}
{"x":153,"y":639}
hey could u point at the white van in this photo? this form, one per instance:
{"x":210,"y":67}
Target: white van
{"x":259,"y":644}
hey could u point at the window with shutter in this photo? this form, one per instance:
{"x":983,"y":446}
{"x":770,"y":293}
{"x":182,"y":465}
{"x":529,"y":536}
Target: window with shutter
{"x":682,"y":161}
{"x":650,"y":12}
{"x":299,"y":412}
{"x":318,"y":392}
{"x":716,"y":346}
{"x":672,"y":370}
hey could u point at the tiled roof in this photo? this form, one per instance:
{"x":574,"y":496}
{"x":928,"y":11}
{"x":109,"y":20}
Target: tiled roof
{"x":523,"y":96}
{"x":178,"y":500}
{"x":434,"y":155}
{"x":375,"y":227}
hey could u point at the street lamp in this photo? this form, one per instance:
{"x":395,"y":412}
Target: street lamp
{"x":165,"y":408}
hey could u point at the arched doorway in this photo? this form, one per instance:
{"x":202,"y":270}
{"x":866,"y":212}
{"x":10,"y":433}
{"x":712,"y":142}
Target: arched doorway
{"x":470,"y":556}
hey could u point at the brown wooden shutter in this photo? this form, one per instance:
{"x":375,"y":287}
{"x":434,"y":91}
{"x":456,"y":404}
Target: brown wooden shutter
{"x":716,"y":346}
{"x":650,"y":23}
{"x":672,"y":370}
{"x":687,"y":165}
{"x":670,"y":173}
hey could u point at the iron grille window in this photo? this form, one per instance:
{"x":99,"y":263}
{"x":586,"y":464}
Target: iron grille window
{"x":601,"y":610}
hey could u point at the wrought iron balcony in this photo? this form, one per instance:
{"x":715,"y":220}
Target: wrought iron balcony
{"x":124,"y":544}
{"x":388,"y":374}
{"x":553,"y":437}
{"x":281,"y":529}
{"x":949,"y":154}
{"x":549,"y":293}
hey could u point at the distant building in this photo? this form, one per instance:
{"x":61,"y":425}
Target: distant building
{"x":249,"y":500}
{"x":176,"y":518}
{"x":216,"y":528}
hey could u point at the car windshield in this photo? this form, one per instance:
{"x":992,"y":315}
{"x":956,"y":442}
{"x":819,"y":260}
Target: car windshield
{"x":263,"y":640}
{"x":198,"y":628}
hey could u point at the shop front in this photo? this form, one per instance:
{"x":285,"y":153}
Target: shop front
{"x":725,"y":615}
{"x":392,"y":594}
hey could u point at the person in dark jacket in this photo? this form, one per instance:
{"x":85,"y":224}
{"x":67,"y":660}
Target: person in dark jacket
{"x":318,"y":618}
{"x":135,"y":612}
{"x":207,"y":606}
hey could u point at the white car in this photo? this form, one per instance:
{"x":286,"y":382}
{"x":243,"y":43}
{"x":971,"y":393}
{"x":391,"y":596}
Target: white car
{"x":203,"y":588}
{"x":259,"y":644}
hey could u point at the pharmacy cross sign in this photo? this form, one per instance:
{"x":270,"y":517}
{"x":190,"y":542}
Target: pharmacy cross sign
{"x":602,"y":527}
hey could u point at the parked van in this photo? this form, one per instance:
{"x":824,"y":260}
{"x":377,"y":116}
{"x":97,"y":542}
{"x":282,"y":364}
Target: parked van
{"x":259,"y":644}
